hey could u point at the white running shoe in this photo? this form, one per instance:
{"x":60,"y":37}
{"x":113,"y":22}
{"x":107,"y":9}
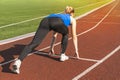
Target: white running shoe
{"x":63,"y":57}
{"x":16,"y":66}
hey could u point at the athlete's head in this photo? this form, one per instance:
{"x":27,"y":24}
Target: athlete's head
{"x":69,"y":10}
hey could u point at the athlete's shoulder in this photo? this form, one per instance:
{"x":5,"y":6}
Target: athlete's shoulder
{"x":72,"y":19}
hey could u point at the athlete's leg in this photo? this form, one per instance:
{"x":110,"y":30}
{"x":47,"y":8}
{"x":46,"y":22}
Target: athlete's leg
{"x":39,"y":36}
{"x":52,"y":43}
{"x":58,"y":26}
{"x":64,"y":43}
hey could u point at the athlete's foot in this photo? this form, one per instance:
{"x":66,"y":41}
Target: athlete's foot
{"x":63,"y":57}
{"x":51,"y":52}
{"x":77,"y":56}
{"x":16,"y":67}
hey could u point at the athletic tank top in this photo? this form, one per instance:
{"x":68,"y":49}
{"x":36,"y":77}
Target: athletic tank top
{"x":65,"y":18}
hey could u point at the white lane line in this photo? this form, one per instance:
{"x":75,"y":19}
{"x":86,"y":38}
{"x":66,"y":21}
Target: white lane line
{"x":116,"y":23}
{"x":96,"y":64}
{"x":71,"y":37}
{"x":21,"y":22}
{"x":6,"y":41}
{"x":7,"y":62}
{"x":58,"y":55}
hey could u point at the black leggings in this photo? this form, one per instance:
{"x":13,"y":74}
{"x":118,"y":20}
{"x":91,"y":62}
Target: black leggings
{"x":46,"y":25}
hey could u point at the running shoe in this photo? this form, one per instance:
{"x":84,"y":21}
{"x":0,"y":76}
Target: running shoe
{"x":63,"y":57}
{"x":16,"y":67}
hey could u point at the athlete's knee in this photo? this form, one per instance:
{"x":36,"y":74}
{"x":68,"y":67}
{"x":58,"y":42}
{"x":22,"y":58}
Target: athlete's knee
{"x":55,"y":35}
{"x":65,"y":36}
{"x":64,"y":39}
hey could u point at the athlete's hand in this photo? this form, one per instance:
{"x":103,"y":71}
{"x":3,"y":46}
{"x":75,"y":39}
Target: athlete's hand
{"x":77,"y":54}
{"x":51,"y":52}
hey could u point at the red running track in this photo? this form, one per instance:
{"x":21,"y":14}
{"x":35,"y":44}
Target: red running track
{"x":101,"y":43}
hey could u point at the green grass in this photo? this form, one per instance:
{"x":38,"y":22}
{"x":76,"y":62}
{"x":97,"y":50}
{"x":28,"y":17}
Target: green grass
{"x":12,"y":11}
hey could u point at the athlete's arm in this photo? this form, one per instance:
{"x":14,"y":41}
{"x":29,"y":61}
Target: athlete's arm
{"x":74,"y":36}
{"x":52,"y":43}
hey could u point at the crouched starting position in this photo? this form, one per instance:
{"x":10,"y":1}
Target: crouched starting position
{"x":59,"y":23}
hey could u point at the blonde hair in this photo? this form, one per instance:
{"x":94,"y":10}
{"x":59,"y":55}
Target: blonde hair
{"x":69,"y":10}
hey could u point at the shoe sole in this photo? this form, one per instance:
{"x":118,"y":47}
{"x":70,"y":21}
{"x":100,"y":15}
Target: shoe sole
{"x":14,"y":69}
{"x":63,"y":60}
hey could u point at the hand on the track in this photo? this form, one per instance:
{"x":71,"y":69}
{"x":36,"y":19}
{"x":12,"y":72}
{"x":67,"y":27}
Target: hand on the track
{"x":77,"y":55}
{"x":51,"y":52}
